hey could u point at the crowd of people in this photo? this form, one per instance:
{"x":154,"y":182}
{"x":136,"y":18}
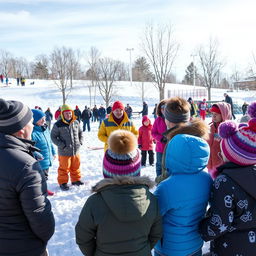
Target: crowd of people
{"x":196,"y":164}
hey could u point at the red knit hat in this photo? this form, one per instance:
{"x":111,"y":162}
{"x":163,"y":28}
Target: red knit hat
{"x":118,"y":104}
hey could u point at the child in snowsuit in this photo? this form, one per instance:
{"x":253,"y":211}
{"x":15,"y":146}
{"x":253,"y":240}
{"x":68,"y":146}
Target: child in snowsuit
{"x":230,"y":223}
{"x":183,"y":196}
{"x":202,"y":109}
{"x":146,"y":141}
{"x":42,"y":138}
{"x":122,"y":216}
{"x":221,"y":112}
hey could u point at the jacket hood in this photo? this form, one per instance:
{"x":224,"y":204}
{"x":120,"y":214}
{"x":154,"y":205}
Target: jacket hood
{"x":225,"y":110}
{"x":186,"y":154}
{"x":145,"y":118}
{"x":126,"y":197}
{"x":196,"y":127}
{"x":244,"y":176}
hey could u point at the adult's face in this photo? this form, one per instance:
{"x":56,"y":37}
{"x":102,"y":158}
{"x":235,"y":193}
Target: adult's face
{"x":67,"y":115}
{"x":27,"y":130}
{"x":118,"y":113}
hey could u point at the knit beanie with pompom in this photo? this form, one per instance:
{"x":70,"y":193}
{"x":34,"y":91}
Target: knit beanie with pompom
{"x":238,"y":143}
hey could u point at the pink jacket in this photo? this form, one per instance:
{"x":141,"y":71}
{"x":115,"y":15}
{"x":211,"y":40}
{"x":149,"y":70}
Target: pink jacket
{"x":214,"y":138}
{"x":145,"y":138}
{"x":159,"y":127}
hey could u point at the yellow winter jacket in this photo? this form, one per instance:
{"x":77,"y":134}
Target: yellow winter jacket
{"x":109,"y":125}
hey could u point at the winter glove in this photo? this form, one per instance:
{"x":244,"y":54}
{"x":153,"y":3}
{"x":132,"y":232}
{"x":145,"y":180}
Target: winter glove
{"x":139,"y":146}
{"x":164,"y":140}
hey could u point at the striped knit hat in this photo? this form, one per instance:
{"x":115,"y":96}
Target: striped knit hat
{"x":122,"y":158}
{"x":238,"y":144}
{"x":14,"y":116}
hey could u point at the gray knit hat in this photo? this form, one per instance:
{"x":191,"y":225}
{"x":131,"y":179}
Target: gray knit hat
{"x":14,"y":115}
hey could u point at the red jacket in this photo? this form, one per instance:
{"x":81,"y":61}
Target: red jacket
{"x":145,"y":138}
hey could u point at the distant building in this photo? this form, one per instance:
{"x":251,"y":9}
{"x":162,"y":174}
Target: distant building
{"x":246,"y":84}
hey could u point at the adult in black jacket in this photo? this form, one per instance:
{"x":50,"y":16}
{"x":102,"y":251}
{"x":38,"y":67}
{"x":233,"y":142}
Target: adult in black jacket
{"x":230,"y":224}
{"x":86,"y":115}
{"x":229,"y":100}
{"x":144,"y":111}
{"x":26,"y":219}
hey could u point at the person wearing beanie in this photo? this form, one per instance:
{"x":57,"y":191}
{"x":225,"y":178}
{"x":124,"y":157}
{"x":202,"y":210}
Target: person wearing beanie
{"x":122,"y":216}
{"x":230,"y":224}
{"x":26,"y":222}
{"x":78,"y":114}
{"x":177,"y":119}
{"x":48,"y":118}
{"x":86,"y":116}
{"x":118,"y":119}
{"x":159,"y":127}
{"x":221,"y":112}
{"x":183,"y":197}
{"x":146,"y":141}
{"x":41,"y":137}
{"x":67,"y":135}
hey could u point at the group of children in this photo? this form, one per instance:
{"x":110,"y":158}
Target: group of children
{"x":122,"y":217}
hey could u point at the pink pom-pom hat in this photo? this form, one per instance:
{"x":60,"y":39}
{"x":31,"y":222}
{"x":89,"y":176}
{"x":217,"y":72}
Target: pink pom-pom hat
{"x":238,"y":144}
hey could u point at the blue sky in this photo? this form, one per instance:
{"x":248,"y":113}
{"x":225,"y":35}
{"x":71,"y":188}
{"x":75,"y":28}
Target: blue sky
{"x":32,"y":27}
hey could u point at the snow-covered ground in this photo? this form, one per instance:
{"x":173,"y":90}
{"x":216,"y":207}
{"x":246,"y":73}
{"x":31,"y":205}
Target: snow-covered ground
{"x":67,"y":205}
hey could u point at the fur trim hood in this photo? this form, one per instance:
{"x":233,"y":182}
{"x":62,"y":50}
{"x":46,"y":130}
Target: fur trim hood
{"x":124,"y":180}
{"x":196,"y":127}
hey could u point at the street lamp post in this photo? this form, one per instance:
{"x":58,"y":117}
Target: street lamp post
{"x":194,"y":71}
{"x":130,"y":51}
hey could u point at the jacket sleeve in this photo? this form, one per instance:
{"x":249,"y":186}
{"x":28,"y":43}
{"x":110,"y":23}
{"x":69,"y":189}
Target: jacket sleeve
{"x":155,"y":132}
{"x":55,"y":137}
{"x":86,"y":230}
{"x":32,"y":190}
{"x":156,"y":229}
{"x":220,"y":216}
{"x":134,"y":130}
{"x":102,"y":133}
{"x":80,"y":134}
{"x":163,"y":198}
{"x":140,"y":137}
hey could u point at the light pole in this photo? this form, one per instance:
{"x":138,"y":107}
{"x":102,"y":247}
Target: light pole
{"x":130,"y":51}
{"x":194,"y":71}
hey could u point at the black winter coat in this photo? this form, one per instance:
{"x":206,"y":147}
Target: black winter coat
{"x":26,"y":219}
{"x":231,"y":220}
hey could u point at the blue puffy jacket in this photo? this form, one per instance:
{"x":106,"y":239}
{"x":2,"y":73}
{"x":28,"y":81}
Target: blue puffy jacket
{"x":184,"y":195}
{"x":42,"y":137}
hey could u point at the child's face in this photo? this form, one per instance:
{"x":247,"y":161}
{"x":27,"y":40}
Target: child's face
{"x":216,"y":117}
{"x":146,"y":123}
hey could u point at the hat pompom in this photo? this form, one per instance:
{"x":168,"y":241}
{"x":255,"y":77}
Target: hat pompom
{"x":122,"y":142}
{"x":252,"y":124}
{"x":227,"y":129}
{"x":252,"y":110}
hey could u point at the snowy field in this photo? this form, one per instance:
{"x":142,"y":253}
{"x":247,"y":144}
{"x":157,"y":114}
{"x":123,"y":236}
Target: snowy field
{"x":67,"y":205}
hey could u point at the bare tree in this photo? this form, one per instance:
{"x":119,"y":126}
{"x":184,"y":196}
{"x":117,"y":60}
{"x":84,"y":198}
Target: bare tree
{"x":63,"y":65}
{"x":161,"y":49}
{"x":93,"y":58}
{"x":211,"y":65}
{"x":5,"y":63}
{"x":107,"y":73}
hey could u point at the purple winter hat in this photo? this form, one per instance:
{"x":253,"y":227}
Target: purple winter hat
{"x":238,"y":143}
